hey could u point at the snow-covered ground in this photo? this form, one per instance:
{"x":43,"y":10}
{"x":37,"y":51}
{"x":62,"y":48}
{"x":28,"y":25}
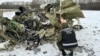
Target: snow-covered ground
{"x":87,"y":37}
{"x":9,"y":14}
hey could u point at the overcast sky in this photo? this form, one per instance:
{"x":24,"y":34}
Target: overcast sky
{"x":14,"y":0}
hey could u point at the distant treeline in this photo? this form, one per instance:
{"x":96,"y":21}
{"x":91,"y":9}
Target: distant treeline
{"x":16,"y":6}
{"x":9,"y":5}
{"x":85,"y":6}
{"x":91,"y":6}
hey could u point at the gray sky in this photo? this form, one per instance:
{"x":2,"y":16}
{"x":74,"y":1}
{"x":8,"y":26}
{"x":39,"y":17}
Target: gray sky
{"x":14,"y":0}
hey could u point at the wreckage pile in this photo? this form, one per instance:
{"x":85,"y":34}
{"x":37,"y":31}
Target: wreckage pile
{"x":37,"y":25}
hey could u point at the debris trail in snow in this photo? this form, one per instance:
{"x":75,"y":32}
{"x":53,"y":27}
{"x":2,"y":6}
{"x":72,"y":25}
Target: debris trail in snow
{"x":88,"y":37}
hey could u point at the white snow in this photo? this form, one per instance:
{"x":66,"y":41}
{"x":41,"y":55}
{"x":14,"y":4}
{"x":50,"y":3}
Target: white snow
{"x":9,"y":14}
{"x":87,"y":37}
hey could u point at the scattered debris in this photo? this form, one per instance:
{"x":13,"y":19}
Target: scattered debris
{"x":44,"y":52}
{"x":89,"y":51}
{"x":95,"y":27}
{"x":5,"y":45}
{"x":77,"y":27}
{"x":36,"y":50}
{"x":14,"y":55}
{"x":98,"y":30}
{"x":94,"y":31}
{"x":28,"y":53}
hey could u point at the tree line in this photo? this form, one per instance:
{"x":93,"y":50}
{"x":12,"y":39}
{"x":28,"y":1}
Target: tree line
{"x":89,"y":4}
{"x":86,"y":5}
{"x":11,"y":5}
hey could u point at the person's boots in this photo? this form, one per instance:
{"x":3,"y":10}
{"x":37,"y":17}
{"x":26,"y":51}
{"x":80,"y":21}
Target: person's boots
{"x":63,"y":52}
{"x":71,"y":54}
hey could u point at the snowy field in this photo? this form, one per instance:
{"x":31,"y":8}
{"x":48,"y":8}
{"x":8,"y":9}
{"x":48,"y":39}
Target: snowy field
{"x":87,"y":37}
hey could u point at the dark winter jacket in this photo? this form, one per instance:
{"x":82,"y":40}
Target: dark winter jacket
{"x":68,"y":38}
